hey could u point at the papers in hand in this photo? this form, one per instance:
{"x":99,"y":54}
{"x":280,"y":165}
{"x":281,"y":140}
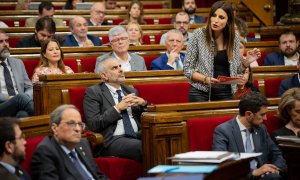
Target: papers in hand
{"x":228,"y":80}
{"x":182,"y":169}
{"x":204,"y":156}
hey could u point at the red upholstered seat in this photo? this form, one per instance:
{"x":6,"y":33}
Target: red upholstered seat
{"x":272,"y":87}
{"x":149,"y":20}
{"x":165,"y":21}
{"x":72,"y":63}
{"x":32,"y":143}
{"x":76,"y":98}
{"x":105,"y":39}
{"x":117,"y":21}
{"x":157,"y":38}
{"x":164,"y":93}
{"x":260,"y":60}
{"x":146,"y":39}
{"x":120,"y":168}
{"x":200,"y":132}
{"x":273,"y":122}
{"x":30,"y":65}
{"x":148,"y":60}
{"x":88,"y":64}
{"x":13,"y":41}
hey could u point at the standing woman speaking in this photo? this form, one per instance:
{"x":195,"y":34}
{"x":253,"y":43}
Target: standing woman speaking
{"x":213,"y":51}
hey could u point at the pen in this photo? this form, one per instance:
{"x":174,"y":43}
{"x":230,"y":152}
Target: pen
{"x":171,"y":169}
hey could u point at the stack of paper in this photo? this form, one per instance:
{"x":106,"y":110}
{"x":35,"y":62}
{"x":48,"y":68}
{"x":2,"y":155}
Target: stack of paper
{"x":288,"y":138}
{"x":204,"y":156}
{"x":182,"y":169}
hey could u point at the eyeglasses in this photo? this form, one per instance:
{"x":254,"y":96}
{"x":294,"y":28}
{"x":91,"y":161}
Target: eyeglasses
{"x":119,"y":39}
{"x":3,"y":40}
{"x":182,"y":22}
{"x":99,"y":12}
{"x":72,"y":124}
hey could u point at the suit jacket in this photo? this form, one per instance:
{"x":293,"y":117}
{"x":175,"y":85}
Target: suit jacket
{"x":5,"y":174}
{"x":228,"y":137}
{"x":71,"y":41}
{"x":104,"y":23}
{"x":199,"y":19}
{"x":100,"y":114}
{"x":23,"y":83}
{"x":137,"y":62}
{"x":30,"y":41}
{"x":30,"y":22}
{"x":288,"y":83}
{"x":160,"y":63}
{"x":274,"y":59}
{"x":50,"y":161}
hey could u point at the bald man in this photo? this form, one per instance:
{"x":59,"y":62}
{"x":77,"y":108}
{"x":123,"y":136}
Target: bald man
{"x":97,"y":13}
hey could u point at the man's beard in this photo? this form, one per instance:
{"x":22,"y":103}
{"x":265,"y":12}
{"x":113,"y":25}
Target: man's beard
{"x":18,"y":157}
{"x":4,"y":53}
{"x":290,"y":53}
{"x":190,"y":11}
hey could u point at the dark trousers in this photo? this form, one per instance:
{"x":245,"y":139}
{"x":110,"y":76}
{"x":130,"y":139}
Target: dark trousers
{"x":217,"y":94}
{"x":19,"y":106}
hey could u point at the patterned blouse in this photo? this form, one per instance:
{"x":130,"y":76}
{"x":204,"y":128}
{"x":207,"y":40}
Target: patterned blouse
{"x":200,"y":58}
{"x":46,"y":70}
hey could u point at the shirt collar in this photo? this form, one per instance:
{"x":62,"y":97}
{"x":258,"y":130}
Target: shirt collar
{"x":119,"y":59}
{"x":112,"y":89}
{"x":95,"y":24}
{"x":240,"y":124}
{"x":8,"y":167}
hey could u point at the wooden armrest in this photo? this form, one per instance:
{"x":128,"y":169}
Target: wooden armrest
{"x":95,"y":139}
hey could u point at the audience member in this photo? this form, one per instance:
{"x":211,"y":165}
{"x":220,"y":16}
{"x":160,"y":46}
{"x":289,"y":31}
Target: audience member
{"x":190,"y":7}
{"x":111,"y":4}
{"x":290,"y":82}
{"x":51,"y":61}
{"x":71,"y":4}
{"x":241,"y":27}
{"x":243,"y":52}
{"x":64,"y":154}
{"x":247,"y":133}
{"x":46,"y":8}
{"x":289,"y":113}
{"x":214,"y":51}
{"x":135,"y":34}
{"x":135,"y":13}
{"x":182,"y":24}
{"x":288,"y":46}
{"x":79,"y":37}
{"x":3,"y":25}
{"x":119,"y":42}
{"x":44,"y":29}
{"x":97,"y":13}
{"x":23,"y":5}
{"x":246,"y":85}
{"x":114,"y":110}
{"x":12,"y":150}
{"x":15,"y":87}
{"x":173,"y":58}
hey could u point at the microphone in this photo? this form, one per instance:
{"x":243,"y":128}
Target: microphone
{"x":211,"y":68}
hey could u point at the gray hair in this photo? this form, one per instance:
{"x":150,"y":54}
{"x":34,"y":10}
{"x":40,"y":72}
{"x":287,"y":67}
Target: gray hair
{"x":173,"y":31}
{"x":55,"y":116}
{"x":101,"y":66}
{"x":116,"y":31}
{"x":71,"y":23}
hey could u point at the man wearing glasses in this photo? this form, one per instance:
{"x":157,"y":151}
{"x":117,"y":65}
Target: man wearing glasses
{"x":182,"y":23}
{"x":12,"y":150}
{"x":97,"y":13}
{"x":65,"y":155}
{"x":119,"y":42}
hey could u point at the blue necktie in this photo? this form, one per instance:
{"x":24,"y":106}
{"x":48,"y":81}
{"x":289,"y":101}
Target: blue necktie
{"x":82,"y":172}
{"x":248,"y":148}
{"x":8,"y":80}
{"x":178,"y":64}
{"x":126,"y":120}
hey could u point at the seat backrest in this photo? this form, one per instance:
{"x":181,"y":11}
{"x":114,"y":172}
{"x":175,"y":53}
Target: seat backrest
{"x":76,"y":98}
{"x":148,"y":60}
{"x":261,"y":59}
{"x":88,"y":64}
{"x":72,"y":63}
{"x":149,"y":20}
{"x":30,"y":65}
{"x":200,"y":132}
{"x":164,"y":93}
{"x":165,"y":20}
{"x":272,"y":86}
{"x":146,"y":39}
{"x":273,"y":123}
{"x":157,"y":38}
{"x":13,"y":41}
{"x":31,"y":145}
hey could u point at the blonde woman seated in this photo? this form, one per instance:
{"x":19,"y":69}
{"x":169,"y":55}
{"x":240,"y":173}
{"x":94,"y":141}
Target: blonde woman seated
{"x":51,"y":61}
{"x":135,"y":34}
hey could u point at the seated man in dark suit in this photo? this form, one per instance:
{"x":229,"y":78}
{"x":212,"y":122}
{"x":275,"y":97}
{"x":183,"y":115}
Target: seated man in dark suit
{"x":114,"y":110}
{"x":290,"y":82}
{"x":12,"y":150}
{"x":16,"y":89}
{"x":246,"y":133}
{"x":79,"y":37}
{"x":64,"y":154}
{"x":45,"y":29}
{"x":288,"y":54}
{"x":190,"y":7}
{"x":97,"y":13}
{"x":173,"y":58}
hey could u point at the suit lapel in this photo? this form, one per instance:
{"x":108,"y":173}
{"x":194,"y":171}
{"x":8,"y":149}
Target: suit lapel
{"x":82,"y":156}
{"x":256,"y":140}
{"x":236,"y":132}
{"x":16,"y":77}
{"x":106,"y":94}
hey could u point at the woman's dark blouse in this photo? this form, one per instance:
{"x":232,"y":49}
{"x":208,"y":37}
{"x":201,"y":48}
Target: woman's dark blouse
{"x":282,"y":132}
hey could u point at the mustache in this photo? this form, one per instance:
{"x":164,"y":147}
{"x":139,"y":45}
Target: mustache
{"x":5,"y":49}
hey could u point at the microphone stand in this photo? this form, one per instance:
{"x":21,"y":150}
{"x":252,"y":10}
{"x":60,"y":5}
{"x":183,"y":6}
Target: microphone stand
{"x":211,"y":69}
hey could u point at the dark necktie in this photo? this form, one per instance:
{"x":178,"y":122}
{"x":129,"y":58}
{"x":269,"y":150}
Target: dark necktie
{"x":8,"y":80}
{"x":19,"y":173}
{"x":126,"y":120}
{"x":82,"y":172}
{"x":249,"y":148}
{"x":178,"y":64}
